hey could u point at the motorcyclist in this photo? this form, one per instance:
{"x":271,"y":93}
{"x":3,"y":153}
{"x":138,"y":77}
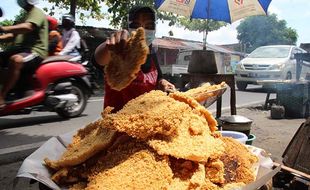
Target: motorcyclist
{"x":30,"y":45}
{"x":70,"y":37}
{"x":54,"y":37}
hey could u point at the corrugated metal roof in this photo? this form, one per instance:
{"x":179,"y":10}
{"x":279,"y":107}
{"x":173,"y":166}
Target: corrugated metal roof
{"x":169,"y":44}
{"x":175,"y":43}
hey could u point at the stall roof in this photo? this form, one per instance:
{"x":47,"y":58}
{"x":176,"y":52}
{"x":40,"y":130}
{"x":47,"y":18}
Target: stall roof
{"x":169,"y":44}
{"x":181,"y":44}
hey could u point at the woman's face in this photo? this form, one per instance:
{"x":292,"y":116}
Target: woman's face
{"x":144,"y":20}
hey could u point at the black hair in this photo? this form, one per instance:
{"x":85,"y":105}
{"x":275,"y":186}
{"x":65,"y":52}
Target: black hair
{"x":141,"y":9}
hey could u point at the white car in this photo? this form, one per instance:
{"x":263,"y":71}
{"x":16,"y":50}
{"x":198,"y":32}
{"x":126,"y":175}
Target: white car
{"x":265,"y":63}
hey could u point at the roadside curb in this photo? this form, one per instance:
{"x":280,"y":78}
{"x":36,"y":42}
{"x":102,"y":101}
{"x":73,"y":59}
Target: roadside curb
{"x":19,"y":153}
{"x":227,"y":109}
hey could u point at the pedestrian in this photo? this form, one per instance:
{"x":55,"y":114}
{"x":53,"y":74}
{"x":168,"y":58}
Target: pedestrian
{"x":29,"y":48}
{"x":150,"y":76}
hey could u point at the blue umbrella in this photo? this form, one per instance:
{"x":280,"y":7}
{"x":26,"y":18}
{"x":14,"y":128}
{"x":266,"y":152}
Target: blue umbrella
{"x":220,"y":10}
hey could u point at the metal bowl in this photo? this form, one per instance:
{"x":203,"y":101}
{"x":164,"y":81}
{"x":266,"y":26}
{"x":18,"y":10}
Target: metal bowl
{"x":235,"y":119}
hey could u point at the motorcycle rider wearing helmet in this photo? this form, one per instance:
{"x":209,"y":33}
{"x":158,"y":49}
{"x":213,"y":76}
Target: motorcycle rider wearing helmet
{"x":150,"y":76}
{"x":70,"y":37}
{"x":54,"y":37}
{"x":30,"y":45}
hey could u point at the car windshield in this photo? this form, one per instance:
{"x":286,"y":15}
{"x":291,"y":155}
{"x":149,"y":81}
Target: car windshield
{"x":270,"y":52}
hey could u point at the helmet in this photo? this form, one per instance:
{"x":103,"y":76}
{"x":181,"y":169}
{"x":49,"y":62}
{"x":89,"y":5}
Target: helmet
{"x":1,"y":12}
{"x":24,"y":3}
{"x":52,"y":23}
{"x":68,"y":17}
{"x":32,"y":2}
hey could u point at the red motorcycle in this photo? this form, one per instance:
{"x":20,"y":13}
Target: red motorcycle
{"x":59,"y":84}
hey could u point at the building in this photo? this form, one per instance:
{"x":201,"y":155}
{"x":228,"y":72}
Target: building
{"x":174,"y":55}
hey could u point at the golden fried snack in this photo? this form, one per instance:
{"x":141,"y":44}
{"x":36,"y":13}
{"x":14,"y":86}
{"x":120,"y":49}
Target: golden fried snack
{"x":126,"y":61}
{"x":147,"y":115}
{"x":162,"y":142}
{"x":197,"y":108}
{"x":78,"y":186}
{"x":238,"y":162}
{"x":63,"y":176}
{"x":80,"y":173}
{"x":86,"y":143}
{"x":215,"y":171}
{"x":205,"y":91}
{"x":174,"y":128}
{"x":186,"y":174}
{"x":233,"y":186}
{"x":132,"y":165}
{"x":82,"y":133}
{"x":192,"y":142}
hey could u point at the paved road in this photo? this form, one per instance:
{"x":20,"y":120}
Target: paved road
{"x":39,"y":126}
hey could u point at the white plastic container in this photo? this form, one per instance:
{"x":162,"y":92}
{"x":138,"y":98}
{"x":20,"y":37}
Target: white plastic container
{"x":241,"y":137}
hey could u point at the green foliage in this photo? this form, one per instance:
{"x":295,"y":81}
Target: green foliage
{"x":76,"y":6}
{"x":118,"y":11}
{"x":258,"y":31}
{"x":7,"y":23}
{"x":18,"y":19}
{"x":200,"y":25}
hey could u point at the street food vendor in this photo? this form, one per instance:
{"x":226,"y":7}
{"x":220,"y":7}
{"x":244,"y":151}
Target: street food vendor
{"x":150,"y":76}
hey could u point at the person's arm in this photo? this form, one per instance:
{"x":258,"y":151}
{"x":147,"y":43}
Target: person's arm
{"x":73,"y":42}
{"x":19,"y":28}
{"x":102,"y":55}
{"x":162,"y":84}
{"x":6,"y":37}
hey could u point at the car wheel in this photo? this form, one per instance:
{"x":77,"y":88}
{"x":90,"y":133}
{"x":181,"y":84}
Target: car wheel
{"x":241,"y":85}
{"x":76,"y":108}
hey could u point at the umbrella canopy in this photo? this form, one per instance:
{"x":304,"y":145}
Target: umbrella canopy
{"x":220,"y":10}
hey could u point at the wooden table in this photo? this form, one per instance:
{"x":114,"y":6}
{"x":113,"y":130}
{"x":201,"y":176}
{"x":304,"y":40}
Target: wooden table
{"x":196,"y":79}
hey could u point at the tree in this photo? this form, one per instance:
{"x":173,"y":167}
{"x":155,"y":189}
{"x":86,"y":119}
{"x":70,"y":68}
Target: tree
{"x":118,"y":11}
{"x":201,"y":25}
{"x":258,"y":31}
{"x":93,"y":6}
{"x":18,"y":19}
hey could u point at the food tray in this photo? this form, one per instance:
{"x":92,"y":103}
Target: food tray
{"x":213,"y":95}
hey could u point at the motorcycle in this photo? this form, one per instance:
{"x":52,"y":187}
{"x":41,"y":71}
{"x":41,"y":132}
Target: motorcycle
{"x":60,"y":84}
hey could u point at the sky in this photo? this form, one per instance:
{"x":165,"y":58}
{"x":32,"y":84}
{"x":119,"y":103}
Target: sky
{"x":295,"y":12}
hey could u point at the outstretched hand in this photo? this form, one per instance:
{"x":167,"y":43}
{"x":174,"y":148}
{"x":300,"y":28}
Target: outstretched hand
{"x":117,"y":41}
{"x":165,"y":86}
